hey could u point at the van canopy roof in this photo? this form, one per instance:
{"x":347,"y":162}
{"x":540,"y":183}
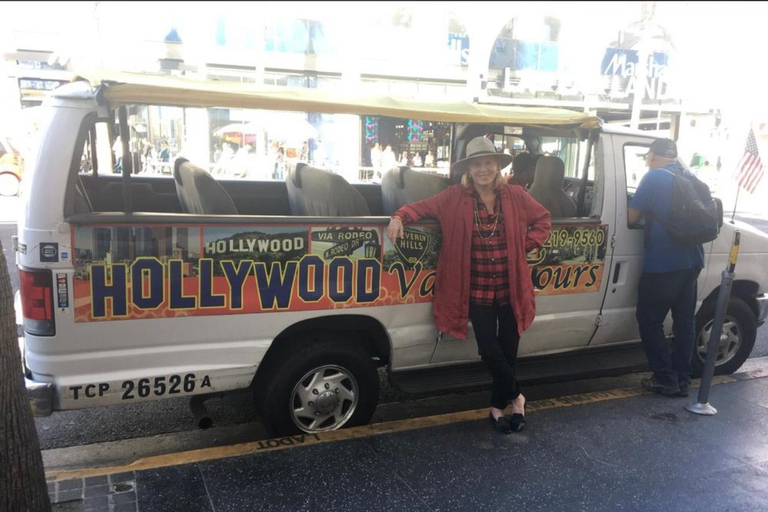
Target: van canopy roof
{"x":135,"y":88}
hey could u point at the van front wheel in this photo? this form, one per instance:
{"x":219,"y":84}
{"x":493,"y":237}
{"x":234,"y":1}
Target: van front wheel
{"x":322,"y":386}
{"x":737,"y":337}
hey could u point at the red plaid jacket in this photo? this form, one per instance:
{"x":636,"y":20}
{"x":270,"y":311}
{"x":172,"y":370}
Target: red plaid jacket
{"x":526,"y":227}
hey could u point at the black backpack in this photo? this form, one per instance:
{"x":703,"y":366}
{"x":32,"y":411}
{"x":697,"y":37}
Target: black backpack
{"x":694,"y":216}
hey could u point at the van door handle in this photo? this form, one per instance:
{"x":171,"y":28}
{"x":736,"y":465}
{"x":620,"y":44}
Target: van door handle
{"x":616,"y":271}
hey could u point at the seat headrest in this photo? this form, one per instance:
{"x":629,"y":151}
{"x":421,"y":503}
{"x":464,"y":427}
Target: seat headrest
{"x":547,"y":188}
{"x":550,"y":173}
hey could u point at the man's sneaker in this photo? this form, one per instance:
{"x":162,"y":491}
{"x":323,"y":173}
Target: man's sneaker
{"x":684,"y":389}
{"x":651,"y":384}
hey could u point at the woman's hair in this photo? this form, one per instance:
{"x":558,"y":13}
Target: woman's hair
{"x":467,"y":181}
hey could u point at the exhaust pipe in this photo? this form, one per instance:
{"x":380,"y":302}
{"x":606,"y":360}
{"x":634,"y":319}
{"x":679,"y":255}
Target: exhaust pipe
{"x":199,"y":411}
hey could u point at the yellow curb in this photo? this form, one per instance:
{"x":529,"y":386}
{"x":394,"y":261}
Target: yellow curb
{"x":268,"y":445}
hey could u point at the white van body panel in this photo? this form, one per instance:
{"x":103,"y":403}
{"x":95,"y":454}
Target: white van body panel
{"x":94,"y":363}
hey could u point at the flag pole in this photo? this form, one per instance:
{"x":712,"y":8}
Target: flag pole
{"x":738,"y":183}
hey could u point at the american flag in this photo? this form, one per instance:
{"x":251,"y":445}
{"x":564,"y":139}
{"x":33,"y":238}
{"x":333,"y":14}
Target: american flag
{"x":750,"y":169}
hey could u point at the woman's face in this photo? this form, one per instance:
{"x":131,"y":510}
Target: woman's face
{"x":483,"y":170}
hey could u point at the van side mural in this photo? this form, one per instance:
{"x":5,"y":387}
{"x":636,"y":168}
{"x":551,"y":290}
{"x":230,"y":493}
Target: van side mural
{"x":170,"y":271}
{"x":571,"y":260}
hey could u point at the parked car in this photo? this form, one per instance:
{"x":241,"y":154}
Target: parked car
{"x":140,"y":288}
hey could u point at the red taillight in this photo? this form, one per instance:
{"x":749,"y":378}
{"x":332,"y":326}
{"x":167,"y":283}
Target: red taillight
{"x":37,"y":301}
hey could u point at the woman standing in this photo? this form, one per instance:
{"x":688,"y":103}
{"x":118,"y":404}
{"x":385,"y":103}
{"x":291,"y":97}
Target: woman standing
{"x":429,"y":160}
{"x":482,"y":274}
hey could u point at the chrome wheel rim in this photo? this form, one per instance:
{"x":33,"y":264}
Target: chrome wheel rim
{"x":325,"y":398}
{"x":727,"y":347}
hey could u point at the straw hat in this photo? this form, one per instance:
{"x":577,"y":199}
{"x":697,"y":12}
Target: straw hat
{"x":477,"y":148}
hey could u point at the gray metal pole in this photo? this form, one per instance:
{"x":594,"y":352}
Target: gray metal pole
{"x":701,"y":404}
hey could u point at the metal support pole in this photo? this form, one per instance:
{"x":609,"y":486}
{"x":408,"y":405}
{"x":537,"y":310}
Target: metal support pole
{"x":701,"y":404}
{"x":125,"y":138}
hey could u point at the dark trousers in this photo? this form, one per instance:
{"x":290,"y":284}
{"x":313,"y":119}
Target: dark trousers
{"x":657,"y":294}
{"x":497,"y":342}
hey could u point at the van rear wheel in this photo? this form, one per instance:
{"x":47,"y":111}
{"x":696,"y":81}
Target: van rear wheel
{"x":737,"y":337}
{"x":322,"y":386}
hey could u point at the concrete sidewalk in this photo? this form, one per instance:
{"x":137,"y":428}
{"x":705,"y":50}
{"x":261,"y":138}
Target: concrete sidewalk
{"x":604,"y":451}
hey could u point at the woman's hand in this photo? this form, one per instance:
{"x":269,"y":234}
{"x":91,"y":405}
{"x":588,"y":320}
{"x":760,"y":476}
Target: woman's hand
{"x":395,"y":229}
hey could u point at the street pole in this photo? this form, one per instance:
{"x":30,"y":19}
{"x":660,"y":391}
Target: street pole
{"x":701,"y":405}
{"x":640,"y":78}
{"x":735,"y":202}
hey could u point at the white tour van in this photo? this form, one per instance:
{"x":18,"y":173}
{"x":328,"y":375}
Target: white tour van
{"x":142,"y":282}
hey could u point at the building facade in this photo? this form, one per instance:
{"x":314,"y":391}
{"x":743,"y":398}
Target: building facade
{"x":619,"y":60}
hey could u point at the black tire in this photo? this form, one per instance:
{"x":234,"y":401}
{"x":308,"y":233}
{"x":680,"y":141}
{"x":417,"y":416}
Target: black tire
{"x":740,"y":325}
{"x":276,"y":400}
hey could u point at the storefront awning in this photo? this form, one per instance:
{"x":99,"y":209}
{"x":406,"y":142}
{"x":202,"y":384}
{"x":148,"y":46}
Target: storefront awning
{"x":135,"y":88}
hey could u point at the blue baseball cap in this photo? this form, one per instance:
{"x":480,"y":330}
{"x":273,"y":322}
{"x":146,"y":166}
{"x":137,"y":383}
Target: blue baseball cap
{"x":666,"y":148}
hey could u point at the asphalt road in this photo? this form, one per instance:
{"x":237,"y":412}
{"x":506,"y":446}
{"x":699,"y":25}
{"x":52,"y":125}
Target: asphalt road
{"x":103,"y":424}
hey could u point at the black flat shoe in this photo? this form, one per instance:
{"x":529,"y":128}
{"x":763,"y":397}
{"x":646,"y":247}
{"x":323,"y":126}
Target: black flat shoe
{"x":502,"y":424}
{"x":517,"y":422}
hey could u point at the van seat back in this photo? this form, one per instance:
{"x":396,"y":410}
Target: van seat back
{"x":319,"y":193}
{"x":198,"y":192}
{"x":402,"y":185}
{"x":547,"y":188}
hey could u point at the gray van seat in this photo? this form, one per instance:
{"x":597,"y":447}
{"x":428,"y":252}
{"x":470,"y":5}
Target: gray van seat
{"x":402,"y":185}
{"x":198,"y":192}
{"x":547,"y":188}
{"x":317,"y":192}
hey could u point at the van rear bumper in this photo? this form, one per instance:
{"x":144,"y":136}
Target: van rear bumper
{"x":40,"y":396}
{"x":762,"y":308}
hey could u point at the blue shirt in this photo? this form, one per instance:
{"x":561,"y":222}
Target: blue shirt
{"x":662,"y":253}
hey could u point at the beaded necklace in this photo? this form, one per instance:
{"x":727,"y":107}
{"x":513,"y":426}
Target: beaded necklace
{"x":491,"y":227}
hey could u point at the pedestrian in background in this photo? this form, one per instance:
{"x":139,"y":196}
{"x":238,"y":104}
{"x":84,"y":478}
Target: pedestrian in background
{"x":376,"y":155}
{"x":488,"y":227}
{"x":668,"y":281}
{"x":388,"y":159}
{"x":279,"y":170}
{"x":117,"y":151}
{"x":319,"y":154}
{"x":429,"y":160}
{"x":147,"y":156}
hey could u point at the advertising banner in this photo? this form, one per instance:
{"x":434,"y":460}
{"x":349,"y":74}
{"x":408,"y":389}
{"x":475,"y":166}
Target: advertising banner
{"x":571,"y":260}
{"x":171,"y":271}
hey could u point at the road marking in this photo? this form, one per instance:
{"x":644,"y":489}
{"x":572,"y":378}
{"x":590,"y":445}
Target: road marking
{"x":268,"y":445}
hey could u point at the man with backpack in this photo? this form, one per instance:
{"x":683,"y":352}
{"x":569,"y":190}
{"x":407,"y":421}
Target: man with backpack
{"x":677,"y":208}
